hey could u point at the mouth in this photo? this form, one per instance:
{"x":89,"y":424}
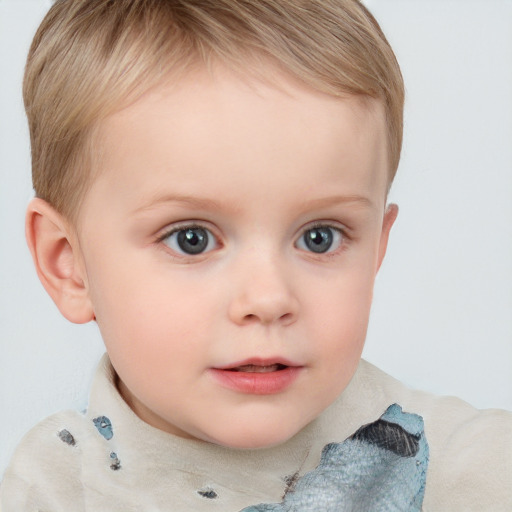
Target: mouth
{"x":258,"y":376}
{"x":254,"y":368}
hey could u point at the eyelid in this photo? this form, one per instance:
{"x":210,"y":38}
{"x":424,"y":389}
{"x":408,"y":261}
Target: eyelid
{"x":341,"y":228}
{"x":181,"y":225}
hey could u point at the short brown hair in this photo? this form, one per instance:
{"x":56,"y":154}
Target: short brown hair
{"x":90,"y":56}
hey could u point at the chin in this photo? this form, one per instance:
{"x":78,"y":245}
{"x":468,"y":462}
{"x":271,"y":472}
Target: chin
{"x":251,"y":438}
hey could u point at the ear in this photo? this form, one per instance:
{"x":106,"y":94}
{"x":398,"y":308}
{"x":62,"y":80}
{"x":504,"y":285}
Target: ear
{"x":58,"y":260}
{"x":389,"y":219}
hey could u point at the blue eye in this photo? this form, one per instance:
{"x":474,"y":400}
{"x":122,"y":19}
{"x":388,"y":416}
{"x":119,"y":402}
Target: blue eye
{"x":320,"y":239}
{"x":190,"y":240}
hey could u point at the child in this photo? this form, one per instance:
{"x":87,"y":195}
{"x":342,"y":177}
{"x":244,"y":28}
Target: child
{"x":211,"y":182}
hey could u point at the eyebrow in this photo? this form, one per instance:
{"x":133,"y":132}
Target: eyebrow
{"x":200,"y":203}
{"x":325,"y":202}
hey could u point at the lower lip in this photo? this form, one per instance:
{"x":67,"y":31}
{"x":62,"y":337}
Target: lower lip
{"x":257,"y":383}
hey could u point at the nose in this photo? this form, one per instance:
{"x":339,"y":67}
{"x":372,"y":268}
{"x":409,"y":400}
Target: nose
{"x":263,"y":293}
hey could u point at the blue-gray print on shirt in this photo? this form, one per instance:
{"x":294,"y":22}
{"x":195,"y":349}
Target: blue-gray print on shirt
{"x":381,"y":468}
{"x":104,"y":426}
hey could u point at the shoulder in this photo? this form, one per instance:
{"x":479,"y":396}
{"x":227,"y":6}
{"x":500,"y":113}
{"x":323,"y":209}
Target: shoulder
{"x":46,"y":465}
{"x":471,"y":457}
{"x":470,"y":464}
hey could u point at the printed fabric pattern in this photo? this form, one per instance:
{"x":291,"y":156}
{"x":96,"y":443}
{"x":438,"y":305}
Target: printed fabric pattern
{"x":380,"y":468}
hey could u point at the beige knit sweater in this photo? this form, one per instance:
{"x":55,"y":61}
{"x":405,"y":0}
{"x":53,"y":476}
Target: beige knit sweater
{"x":63,"y":465}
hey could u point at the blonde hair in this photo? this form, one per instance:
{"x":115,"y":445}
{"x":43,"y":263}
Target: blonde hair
{"x":89,"y":57}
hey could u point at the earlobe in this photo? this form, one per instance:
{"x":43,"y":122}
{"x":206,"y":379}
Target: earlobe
{"x":389,"y":219}
{"x":57,"y":260}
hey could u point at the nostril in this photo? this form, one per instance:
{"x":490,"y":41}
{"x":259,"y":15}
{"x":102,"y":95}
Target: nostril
{"x":287,"y":317}
{"x":267,"y":319}
{"x":250,"y":318}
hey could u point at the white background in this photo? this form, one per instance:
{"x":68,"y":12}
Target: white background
{"x":442,"y":313}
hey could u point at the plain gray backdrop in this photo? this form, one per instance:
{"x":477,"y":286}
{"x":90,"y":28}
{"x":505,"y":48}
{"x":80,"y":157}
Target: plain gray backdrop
{"x":441,"y":319}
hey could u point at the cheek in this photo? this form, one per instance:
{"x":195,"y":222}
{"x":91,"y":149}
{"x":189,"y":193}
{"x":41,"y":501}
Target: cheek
{"x":154,"y":343}
{"x":143,"y":314}
{"x":339,"y":316}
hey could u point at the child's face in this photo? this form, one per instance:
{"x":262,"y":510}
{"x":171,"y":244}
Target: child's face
{"x":230,"y":245}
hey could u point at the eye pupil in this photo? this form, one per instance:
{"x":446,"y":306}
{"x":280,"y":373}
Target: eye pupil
{"x":318,"y":239}
{"x":193,"y":240}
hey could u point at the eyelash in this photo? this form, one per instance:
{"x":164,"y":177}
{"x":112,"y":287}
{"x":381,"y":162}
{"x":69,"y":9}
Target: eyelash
{"x":176,"y":229}
{"x":317,"y":225}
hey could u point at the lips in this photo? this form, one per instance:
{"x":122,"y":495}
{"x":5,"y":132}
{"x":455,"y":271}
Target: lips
{"x":258,"y":376}
{"x":253,"y":368}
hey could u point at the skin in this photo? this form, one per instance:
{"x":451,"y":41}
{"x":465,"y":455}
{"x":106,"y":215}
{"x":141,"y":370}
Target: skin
{"x":257,"y":166}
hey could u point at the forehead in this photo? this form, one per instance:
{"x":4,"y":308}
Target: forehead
{"x":211,"y":124}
